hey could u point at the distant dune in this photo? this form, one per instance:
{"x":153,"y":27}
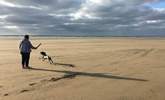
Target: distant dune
{"x":85,"y":69}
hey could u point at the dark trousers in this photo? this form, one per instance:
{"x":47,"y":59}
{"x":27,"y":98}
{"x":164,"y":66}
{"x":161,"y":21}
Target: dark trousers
{"x":25,"y":59}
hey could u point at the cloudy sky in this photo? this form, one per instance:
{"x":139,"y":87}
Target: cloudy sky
{"x":82,"y":17}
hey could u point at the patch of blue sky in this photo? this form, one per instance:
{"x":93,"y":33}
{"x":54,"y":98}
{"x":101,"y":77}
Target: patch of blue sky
{"x":160,"y":4}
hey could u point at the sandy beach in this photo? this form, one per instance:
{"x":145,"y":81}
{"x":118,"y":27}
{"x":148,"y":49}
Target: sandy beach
{"x":85,"y":69}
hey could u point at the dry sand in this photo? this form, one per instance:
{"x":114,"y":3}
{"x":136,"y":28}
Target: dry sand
{"x":104,"y":69}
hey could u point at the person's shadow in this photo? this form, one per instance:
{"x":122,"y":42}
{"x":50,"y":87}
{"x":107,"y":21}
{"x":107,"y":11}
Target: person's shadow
{"x":71,"y":74}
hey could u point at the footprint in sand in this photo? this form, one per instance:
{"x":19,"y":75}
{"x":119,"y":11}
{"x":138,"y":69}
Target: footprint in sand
{"x":31,"y":84}
{"x":22,"y":91}
{"x":1,"y":86}
{"x":6,"y":94}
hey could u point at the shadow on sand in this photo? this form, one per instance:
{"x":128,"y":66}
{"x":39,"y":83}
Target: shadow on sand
{"x":71,"y":74}
{"x":67,"y":65}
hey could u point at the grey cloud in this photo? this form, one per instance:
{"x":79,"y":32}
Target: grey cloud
{"x":78,"y":17}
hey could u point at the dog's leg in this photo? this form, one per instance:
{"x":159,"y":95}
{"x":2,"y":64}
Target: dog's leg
{"x":50,"y":60}
{"x":43,"y":58}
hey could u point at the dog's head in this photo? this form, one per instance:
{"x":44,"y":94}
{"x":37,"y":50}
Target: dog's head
{"x":43,"y":53}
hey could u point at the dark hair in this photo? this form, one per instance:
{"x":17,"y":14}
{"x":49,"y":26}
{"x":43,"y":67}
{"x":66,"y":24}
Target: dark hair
{"x":26,"y":36}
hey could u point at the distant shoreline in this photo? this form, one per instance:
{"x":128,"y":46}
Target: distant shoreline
{"x":78,"y":37}
{"x":85,"y":35}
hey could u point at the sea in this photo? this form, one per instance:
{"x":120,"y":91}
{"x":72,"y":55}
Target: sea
{"x":78,"y":37}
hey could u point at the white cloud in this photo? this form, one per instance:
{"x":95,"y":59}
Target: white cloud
{"x":5,"y":3}
{"x":9,"y":4}
{"x":153,"y":21}
{"x":85,"y":9}
{"x":159,"y":9}
{"x":3,"y":16}
{"x":97,"y":2}
{"x":74,"y":23}
{"x":11,"y":27}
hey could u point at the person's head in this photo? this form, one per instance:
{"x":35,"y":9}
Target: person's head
{"x":26,"y":37}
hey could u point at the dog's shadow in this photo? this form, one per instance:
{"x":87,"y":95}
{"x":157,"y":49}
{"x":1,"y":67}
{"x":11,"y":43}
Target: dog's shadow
{"x":61,"y":64}
{"x":50,"y":60}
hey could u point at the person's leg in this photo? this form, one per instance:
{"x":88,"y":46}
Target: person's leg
{"x":27,"y":59}
{"x":23,"y":59}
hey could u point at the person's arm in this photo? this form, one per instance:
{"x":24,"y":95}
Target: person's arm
{"x":36,"y":46}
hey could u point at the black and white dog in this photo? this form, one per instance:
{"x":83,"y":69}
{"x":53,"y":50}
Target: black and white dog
{"x":45,"y":56}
